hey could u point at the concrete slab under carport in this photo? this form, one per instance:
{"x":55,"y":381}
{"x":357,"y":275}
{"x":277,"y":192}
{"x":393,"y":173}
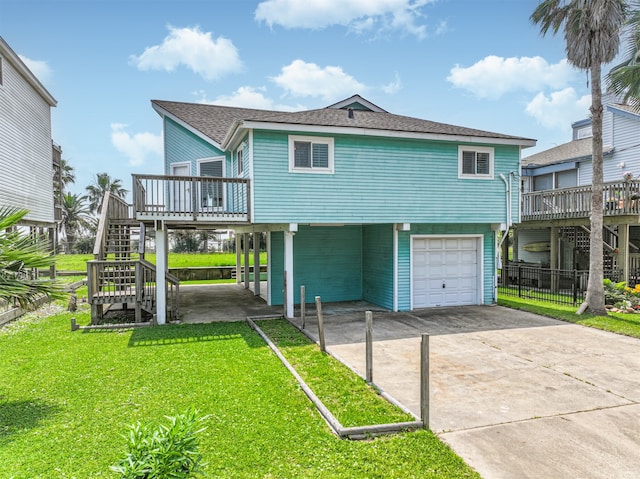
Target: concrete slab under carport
{"x":208,"y":303}
{"x":515,"y":394}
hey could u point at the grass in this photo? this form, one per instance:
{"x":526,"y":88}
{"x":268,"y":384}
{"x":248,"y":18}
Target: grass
{"x":78,"y":262}
{"x":66,"y":398}
{"x":621,"y":323}
{"x":332,"y":381}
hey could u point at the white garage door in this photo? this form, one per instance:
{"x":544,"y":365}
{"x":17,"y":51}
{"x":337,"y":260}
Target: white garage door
{"x":445,"y":272}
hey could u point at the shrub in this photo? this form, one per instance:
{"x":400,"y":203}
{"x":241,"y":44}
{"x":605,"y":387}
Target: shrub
{"x":620,"y":295}
{"x":163,"y":450}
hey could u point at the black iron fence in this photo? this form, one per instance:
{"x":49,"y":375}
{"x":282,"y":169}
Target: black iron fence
{"x":543,"y":284}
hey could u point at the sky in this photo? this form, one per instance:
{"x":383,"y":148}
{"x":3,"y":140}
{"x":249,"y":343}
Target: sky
{"x":478,"y":64}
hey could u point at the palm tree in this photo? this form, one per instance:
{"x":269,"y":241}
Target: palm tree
{"x":63,"y":178}
{"x":76,"y":216}
{"x":101,"y":184}
{"x":67,"y":175}
{"x":624,"y":79}
{"x":592,"y":34}
{"x":19,"y":256}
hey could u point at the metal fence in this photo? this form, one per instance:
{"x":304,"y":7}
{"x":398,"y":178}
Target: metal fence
{"x":543,"y":284}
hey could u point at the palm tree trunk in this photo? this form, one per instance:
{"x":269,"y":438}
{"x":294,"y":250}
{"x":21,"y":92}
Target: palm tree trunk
{"x":594,"y":302}
{"x":70,"y":237}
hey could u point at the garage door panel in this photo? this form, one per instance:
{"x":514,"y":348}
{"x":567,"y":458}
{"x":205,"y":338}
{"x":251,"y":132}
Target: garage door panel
{"x":449,"y":261}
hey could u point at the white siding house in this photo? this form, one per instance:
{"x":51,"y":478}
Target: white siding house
{"x":25,"y":140}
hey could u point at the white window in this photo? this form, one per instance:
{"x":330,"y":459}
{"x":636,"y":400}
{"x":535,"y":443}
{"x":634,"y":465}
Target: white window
{"x":475,"y":162}
{"x":310,"y":154}
{"x":240,"y":160}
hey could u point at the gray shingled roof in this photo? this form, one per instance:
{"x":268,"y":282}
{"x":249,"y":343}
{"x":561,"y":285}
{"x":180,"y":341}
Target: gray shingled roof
{"x":627,"y":108}
{"x":212,"y":120}
{"x":573,"y":151}
{"x":215,"y":121}
{"x":566,"y":152}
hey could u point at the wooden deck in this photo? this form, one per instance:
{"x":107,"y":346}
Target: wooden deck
{"x":621,"y":201}
{"x":191,"y":199}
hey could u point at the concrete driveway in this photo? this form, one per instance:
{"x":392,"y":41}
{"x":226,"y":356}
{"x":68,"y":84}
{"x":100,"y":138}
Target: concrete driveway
{"x":514,"y":394}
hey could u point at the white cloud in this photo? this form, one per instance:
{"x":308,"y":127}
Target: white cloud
{"x":136,"y":147}
{"x":393,"y":86}
{"x":494,"y":76}
{"x":358,"y":15}
{"x":39,"y":68}
{"x":194,"y":49}
{"x":559,"y":109}
{"x":249,"y":97}
{"x":304,"y":79}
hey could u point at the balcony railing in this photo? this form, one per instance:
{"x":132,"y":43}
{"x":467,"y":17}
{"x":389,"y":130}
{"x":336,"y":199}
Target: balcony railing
{"x":619,"y":197}
{"x":193,"y":198}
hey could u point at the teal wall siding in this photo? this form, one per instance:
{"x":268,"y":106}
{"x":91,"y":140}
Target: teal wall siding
{"x":276,"y":260}
{"x":377,"y":264}
{"x":182,"y":145}
{"x":356,"y":262}
{"x":378,"y":180}
{"x":404,"y":257}
{"x":326,"y":260}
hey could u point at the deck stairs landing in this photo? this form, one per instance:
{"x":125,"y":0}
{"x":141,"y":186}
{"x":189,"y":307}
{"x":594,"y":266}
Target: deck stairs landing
{"x":579,"y":237}
{"x":119,"y":274}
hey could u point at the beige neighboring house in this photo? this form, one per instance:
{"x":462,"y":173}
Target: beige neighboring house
{"x":27,"y":153}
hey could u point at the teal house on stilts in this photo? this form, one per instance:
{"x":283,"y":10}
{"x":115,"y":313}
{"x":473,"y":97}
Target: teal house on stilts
{"x":356,"y":203}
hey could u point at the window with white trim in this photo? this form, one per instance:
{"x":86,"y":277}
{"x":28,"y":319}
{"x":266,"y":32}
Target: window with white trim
{"x":475,"y":162}
{"x":240,"y":160}
{"x":310,"y":154}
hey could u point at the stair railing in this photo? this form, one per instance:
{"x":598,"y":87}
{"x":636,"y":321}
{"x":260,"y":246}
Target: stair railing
{"x":112,"y":207}
{"x":146,"y":284}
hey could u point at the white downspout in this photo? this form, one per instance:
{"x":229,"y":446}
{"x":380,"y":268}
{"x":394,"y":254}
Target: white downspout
{"x":507,"y":188}
{"x":505,"y":235}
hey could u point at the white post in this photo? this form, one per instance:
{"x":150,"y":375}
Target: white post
{"x":238,"y":258}
{"x":245,"y":242}
{"x":256,"y":264}
{"x":161,"y":271}
{"x":288,"y":267}
{"x":323,"y":347}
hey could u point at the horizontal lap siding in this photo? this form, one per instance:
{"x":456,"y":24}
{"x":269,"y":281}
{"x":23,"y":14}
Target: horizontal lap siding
{"x":328,"y":262}
{"x":182,"y":145}
{"x":377,"y":264}
{"x":377,"y":181}
{"x":25,"y":148}
{"x":404,"y":256}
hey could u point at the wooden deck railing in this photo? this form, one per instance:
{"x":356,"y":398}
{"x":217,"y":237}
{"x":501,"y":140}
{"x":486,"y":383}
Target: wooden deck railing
{"x":132,"y":281}
{"x":620,"y":198}
{"x":197,"y":198}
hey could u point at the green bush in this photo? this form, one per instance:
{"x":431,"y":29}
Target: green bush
{"x":620,"y":295}
{"x":163,"y":451}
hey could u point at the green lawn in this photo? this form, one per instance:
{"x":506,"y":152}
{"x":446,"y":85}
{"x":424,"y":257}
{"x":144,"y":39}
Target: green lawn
{"x":77,"y":262}
{"x":66,"y":398}
{"x":621,"y":323}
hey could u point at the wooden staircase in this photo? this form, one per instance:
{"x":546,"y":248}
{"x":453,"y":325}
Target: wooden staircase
{"x":119,"y":274}
{"x":580,"y":238}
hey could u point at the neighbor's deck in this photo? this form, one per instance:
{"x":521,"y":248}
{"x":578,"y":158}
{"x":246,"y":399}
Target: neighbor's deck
{"x":621,"y":203}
